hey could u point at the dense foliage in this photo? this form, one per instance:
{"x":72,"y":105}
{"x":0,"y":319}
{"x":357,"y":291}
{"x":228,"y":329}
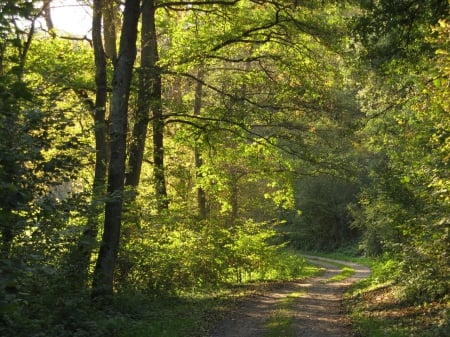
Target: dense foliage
{"x":404,"y":209}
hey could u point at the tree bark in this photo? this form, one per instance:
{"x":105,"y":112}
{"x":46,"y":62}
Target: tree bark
{"x":162,"y":202}
{"x":148,"y":95}
{"x":150,"y":98}
{"x":198,"y":160}
{"x":47,"y":13}
{"x":101,"y":97}
{"x":110,"y":10}
{"x":80,"y":259}
{"x":158,"y":156}
{"x":104,"y":270}
{"x":201,"y":195}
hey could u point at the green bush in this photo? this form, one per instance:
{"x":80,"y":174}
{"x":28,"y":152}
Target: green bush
{"x":190,"y":254}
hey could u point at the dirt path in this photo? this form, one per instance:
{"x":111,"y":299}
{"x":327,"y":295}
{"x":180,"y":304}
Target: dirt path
{"x":315,"y":311}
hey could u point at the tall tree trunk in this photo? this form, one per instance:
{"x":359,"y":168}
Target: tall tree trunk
{"x":201,"y":195}
{"x":234,"y":199}
{"x":101,"y":97}
{"x":80,"y":259}
{"x":104,"y":270}
{"x":149,"y":82}
{"x":150,"y":98}
{"x":155,"y":101}
{"x":158,"y":129}
{"x":147,"y":73}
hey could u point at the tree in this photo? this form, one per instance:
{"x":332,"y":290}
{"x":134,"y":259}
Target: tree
{"x":403,"y":102}
{"x":19,"y":123}
{"x":198,"y":160}
{"x":104,"y":270}
{"x":82,"y":255}
{"x":111,"y":18}
{"x":149,"y":98}
{"x":392,"y":30}
{"x":324,"y":222}
{"x":261,"y":84}
{"x":43,"y":150}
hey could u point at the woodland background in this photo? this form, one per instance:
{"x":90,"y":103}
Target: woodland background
{"x":185,"y":147}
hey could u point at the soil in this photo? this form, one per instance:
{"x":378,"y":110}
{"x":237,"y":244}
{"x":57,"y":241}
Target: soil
{"x":317,"y":312}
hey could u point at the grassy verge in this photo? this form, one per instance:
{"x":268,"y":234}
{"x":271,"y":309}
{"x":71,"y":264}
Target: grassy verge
{"x":135,"y":313}
{"x":377,"y":309}
{"x":344,"y":257}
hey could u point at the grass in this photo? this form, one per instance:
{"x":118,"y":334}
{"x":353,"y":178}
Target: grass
{"x":345,"y":273}
{"x":377,"y":309}
{"x":344,"y":257}
{"x":169,"y":317}
{"x":280,"y":324}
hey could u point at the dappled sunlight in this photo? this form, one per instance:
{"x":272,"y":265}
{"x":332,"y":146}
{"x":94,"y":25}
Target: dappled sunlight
{"x":311,"y":308}
{"x":165,"y":163}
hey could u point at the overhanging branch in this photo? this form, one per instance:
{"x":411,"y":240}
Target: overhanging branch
{"x":196,"y":3}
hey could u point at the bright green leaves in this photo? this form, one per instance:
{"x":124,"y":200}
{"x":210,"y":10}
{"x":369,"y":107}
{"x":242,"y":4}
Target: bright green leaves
{"x":189,"y":254}
{"x":61,"y":63}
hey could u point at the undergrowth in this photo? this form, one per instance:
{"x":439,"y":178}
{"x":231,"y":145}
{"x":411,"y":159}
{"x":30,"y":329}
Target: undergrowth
{"x":379,"y":307}
{"x":135,"y":313}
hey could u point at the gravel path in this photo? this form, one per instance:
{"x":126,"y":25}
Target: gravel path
{"x":317,"y":312}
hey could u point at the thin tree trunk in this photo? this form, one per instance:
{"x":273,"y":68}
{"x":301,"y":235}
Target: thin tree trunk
{"x":201,"y":195}
{"x":104,"y":270}
{"x":101,"y":81}
{"x":25,"y":48}
{"x":234,"y":199}
{"x":80,"y":259}
{"x":47,"y":13}
{"x":149,"y":78}
{"x":158,"y":156}
{"x":147,"y":71}
{"x":162,"y":202}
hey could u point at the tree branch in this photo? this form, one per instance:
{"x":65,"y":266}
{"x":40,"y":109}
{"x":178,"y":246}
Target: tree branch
{"x":228,"y":95}
{"x":196,"y":3}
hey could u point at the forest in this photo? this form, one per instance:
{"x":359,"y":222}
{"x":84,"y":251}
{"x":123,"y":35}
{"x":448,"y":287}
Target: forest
{"x":183,"y":151}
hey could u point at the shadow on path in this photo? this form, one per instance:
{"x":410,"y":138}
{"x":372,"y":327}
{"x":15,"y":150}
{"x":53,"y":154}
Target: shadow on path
{"x":317,"y":313}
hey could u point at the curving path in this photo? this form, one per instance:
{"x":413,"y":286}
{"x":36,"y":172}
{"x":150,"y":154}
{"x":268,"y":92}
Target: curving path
{"x":315,"y":313}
